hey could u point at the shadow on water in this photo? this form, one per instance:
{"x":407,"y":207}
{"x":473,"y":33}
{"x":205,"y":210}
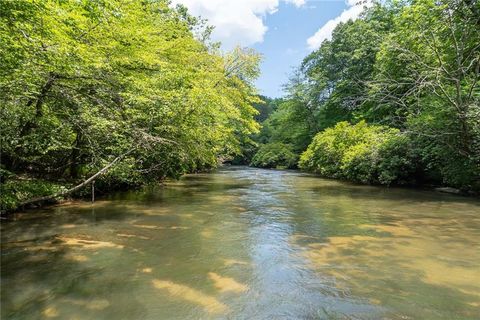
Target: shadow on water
{"x":398,"y":272}
{"x":45,"y":275}
{"x":250,"y":244}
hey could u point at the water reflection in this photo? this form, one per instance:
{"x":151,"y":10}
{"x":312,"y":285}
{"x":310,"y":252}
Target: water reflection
{"x":250,"y":244}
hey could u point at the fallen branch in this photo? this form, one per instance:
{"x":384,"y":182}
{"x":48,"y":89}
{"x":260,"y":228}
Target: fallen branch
{"x":77,"y":187}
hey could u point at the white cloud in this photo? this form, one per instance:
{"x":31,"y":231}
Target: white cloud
{"x":297,"y":3}
{"x":325,"y":33}
{"x":237,"y":22}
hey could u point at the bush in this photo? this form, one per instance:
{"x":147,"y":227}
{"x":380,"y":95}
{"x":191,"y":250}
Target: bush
{"x":5,"y":175}
{"x":274,"y":155}
{"x":13,"y":192}
{"x":362,"y":153}
{"x":455,"y":170}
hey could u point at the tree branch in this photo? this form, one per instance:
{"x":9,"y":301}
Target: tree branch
{"x":77,"y":187}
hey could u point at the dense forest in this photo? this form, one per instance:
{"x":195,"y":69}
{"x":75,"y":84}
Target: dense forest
{"x":123,"y":93}
{"x":118,"y":92}
{"x":392,"y":98}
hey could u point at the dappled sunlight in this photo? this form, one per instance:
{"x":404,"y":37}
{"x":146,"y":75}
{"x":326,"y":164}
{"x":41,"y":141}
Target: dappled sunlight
{"x":90,"y":304}
{"x":46,"y":246}
{"x":88,"y":244}
{"x":363,"y":264}
{"x":240,"y":209}
{"x":207,"y":233}
{"x":222,"y":198}
{"x":209,"y":303}
{"x":232,"y":262}
{"x":82,"y":205}
{"x":227,"y":284}
{"x":68,"y":226}
{"x":464,"y":279}
{"x":299,"y":237}
{"x":97,"y":304}
{"x":288,"y":245}
{"x":50,"y":312}
{"x":155,"y":227}
{"x":393,"y":230}
{"x":77,"y":257}
{"x":149,"y":211}
{"x":126,"y":235}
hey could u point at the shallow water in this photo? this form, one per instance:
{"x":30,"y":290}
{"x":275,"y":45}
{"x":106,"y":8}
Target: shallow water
{"x":246,"y":243}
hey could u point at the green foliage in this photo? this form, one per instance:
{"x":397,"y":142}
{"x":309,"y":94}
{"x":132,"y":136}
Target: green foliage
{"x":409,"y":65}
{"x":266,"y":108}
{"x":399,"y":161}
{"x":13,"y":192}
{"x":338,"y":72}
{"x":249,"y":144}
{"x":84,"y":82}
{"x":5,"y":175}
{"x":426,"y":79}
{"x":362,"y":153}
{"x":287,"y":124}
{"x":275,"y":155}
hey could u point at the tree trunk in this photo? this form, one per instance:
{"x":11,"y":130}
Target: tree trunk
{"x":38,"y":104}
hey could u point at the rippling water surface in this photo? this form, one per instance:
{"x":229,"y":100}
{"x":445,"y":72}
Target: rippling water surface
{"x":246,"y":243}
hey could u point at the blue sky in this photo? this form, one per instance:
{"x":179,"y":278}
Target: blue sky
{"x":285,"y":42}
{"x":283,"y":31}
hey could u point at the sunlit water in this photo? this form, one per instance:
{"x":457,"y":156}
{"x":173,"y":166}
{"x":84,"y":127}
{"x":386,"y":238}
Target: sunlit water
{"x":246,"y":243}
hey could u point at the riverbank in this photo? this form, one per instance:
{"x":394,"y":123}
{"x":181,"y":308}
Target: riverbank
{"x":15,"y":191}
{"x":425,"y":187}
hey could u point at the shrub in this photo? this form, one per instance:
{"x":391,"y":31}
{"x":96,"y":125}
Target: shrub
{"x":14,"y":191}
{"x":361,"y":152}
{"x":274,"y":155}
{"x":399,"y":162}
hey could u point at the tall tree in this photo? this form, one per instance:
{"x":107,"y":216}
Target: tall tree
{"x":428,"y":71}
{"x":84,"y":81}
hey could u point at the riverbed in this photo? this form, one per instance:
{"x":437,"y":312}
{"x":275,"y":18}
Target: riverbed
{"x":245,"y":243}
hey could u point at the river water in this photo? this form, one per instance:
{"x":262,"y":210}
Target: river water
{"x":244,"y":243}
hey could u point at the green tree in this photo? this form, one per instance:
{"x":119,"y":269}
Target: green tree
{"x":275,"y":155}
{"x":427,"y":74}
{"x":86,"y":82}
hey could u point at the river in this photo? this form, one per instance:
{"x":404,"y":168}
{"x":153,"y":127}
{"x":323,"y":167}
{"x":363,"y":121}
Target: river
{"x":244,"y":243}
